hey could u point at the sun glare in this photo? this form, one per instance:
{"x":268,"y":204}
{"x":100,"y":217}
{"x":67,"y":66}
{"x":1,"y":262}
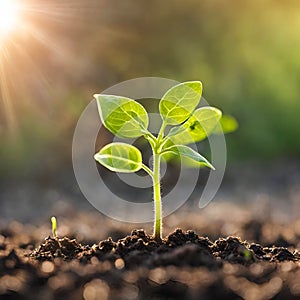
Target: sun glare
{"x":8,"y":15}
{"x":29,"y":30}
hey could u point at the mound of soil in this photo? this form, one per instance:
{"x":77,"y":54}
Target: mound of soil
{"x":181,"y":266}
{"x":179,"y":248}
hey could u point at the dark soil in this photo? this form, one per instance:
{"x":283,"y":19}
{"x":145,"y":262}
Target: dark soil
{"x":182,"y":266}
{"x":179,"y":249}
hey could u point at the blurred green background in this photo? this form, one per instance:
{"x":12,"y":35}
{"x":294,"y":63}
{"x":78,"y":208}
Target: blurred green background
{"x":246,"y":53}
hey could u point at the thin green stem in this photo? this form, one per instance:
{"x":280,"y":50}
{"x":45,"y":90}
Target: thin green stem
{"x":156,"y":146}
{"x":149,"y":136}
{"x":148,"y":170}
{"x":157,"y":197}
{"x":161,"y":132}
{"x":151,"y":139}
{"x":163,"y":142}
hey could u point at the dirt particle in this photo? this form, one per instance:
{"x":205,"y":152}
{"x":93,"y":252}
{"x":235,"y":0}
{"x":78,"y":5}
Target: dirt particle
{"x":281,"y":254}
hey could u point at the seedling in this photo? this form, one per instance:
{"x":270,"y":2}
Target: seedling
{"x":126,"y":118}
{"x":54,"y":227}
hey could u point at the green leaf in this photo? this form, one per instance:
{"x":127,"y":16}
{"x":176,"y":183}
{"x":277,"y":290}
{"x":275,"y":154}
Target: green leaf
{"x":228,"y":124}
{"x":122,"y":116}
{"x":187,"y":152}
{"x":120,"y":157}
{"x":180,"y":101}
{"x":184,"y":161}
{"x":200,"y":125}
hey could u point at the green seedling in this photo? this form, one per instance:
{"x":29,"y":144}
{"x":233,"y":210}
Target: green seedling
{"x":187,"y":124}
{"x":54,"y":227}
{"x":247,"y":254}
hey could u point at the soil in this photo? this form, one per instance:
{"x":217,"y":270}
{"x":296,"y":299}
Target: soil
{"x":183,"y":265}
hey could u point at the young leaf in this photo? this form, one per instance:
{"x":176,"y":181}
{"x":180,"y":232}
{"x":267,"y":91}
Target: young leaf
{"x":120,"y":157}
{"x":189,"y":153}
{"x":228,"y":124}
{"x":200,"y":125}
{"x":122,"y":116}
{"x":180,"y":101}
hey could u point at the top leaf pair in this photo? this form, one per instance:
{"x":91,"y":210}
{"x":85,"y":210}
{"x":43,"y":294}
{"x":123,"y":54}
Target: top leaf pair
{"x":127,"y":118}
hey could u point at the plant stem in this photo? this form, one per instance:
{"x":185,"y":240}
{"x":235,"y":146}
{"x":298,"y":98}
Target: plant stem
{"x":161,"y":132}
{"x":157,"y":196}
{"x":148,"y":170}
{"x":156,"y":146}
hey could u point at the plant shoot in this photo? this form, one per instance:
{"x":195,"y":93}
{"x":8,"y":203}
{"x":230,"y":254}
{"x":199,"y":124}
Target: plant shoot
{"x":54,"y":227}
{"x":126,"y":118}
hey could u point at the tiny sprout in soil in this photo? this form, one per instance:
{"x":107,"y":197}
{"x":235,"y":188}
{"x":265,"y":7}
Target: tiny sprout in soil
{"x":54,"y":227}
{"x":187,"y":124}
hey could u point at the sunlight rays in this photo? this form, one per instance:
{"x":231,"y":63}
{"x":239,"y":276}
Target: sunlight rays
{"x":34,"y":35}
{"x":9,"y":10}
{"x":8,"y":110}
